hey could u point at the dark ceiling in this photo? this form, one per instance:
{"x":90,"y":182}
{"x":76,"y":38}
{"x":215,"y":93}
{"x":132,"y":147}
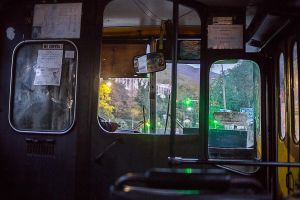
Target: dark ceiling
{"x":227,"y":3}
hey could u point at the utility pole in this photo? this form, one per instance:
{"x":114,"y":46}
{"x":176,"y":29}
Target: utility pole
{"x":223,"y":87}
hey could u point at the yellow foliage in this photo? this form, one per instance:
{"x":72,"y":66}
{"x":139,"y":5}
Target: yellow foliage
{"x":104,"y":99}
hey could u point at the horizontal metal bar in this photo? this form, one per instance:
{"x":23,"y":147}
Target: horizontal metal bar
{"x":195,"y":161}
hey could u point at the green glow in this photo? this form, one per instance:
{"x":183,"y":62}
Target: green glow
{"x":187,"y":102}
{"x":148,"y":124}
{"x":216,"y":122}
{"x":188,"y":170}
{"x":188,"y":192}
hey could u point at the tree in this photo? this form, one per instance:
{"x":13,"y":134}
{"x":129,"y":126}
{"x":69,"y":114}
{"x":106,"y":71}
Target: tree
{"x":241,"y":86}
{"x":105,"y":109}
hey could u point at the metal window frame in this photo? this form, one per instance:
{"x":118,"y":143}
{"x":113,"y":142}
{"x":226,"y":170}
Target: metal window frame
{"x":12,"y":87}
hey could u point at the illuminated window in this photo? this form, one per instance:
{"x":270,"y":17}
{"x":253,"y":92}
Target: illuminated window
{"x":140,"y":102}
{"x":124,"y":101}
{"x":296,"y":93}
{"x":282,"y":96}
{"x":234,"y":110}
{"x":187,"y":102}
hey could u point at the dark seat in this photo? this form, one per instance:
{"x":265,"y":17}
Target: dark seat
{"x":185,"y":184}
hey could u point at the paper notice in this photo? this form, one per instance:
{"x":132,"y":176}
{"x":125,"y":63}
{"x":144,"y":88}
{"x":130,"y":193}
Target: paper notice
{"x":225,"y":36}
{"x":47,"y":76}
{"x":61,"y":20}
{"x":49,"y":59}
{"x":142,"y":64}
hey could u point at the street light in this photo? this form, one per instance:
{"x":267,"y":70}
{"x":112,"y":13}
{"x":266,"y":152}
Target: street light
{"x":108,"y":83}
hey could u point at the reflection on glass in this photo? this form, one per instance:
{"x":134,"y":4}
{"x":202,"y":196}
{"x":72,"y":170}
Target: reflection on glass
{"x":43,"y":96}
{"x":296,"y":92}
{"x":234,"y":110}
{"x":282,"y":95}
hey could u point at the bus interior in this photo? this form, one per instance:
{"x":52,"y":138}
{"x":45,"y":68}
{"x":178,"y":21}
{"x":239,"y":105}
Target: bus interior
{"x":149,"y":99}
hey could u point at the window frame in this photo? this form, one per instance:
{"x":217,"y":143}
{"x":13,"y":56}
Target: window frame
{"x":260,"y":87}
{"x":295,"y":43}
{"x":256,"y":59}
{"x":12,"y":88}
{"x":102,"y":41}
{"x":282,"y":139}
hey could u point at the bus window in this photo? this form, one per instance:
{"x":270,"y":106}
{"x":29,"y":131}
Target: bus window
{"x":296,"y":93}
{"x":43,"y":87}
{"x":131,"y":102}
{"x":124,"y":101}
{"x":187,"y":106}
{"x":282,"y":97}
{"x":234,"y":110}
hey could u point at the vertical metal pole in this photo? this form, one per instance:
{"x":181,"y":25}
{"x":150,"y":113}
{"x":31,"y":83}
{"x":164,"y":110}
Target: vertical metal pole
{"x":144,"y":118}
{"x":174,"y":77}
{"x":168,"y":111}
{"x":153,"y":94}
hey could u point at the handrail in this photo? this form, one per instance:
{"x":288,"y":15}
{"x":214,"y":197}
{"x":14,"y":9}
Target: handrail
{"x":195,"y":161}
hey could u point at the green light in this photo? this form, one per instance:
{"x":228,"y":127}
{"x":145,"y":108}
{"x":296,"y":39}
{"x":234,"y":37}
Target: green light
{"x":148,"y":124}
{"x":187,"y":102}
{"x":188,"y":192}
{"x":188,"y":170}
{"x":216,"y":123}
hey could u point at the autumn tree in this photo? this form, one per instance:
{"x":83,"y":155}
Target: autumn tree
{"x":105,"y":109}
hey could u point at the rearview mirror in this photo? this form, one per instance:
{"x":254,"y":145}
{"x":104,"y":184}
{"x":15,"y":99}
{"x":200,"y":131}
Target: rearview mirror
{"x":150,"y":62}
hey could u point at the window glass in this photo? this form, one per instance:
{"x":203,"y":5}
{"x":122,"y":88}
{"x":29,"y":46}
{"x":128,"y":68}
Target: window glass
{"x":188,"y":88}
{"x":125,"y":101}
{"x":163,"y":100}
{"x":296,"y":92}
{"x":282,"y":97}
{"x":140,"y":103}
{"x":234,"y":110}
{"x":43,"y":87}
{"x":187,"y":102}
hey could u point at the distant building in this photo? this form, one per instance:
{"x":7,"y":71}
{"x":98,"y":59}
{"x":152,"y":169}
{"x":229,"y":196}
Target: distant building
{"x":133,"y":84}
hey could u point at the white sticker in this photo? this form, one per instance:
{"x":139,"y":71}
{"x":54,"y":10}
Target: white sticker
{"x":10,"y":33}
{"x":142,"y":64}
{"x":69,"y":54}
{"x":47,"y":76}
{"x":49,"y":58}
{"x":53,"y":46}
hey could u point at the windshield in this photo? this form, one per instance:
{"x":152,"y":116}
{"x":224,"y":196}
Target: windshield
{"x":126,"y":101}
